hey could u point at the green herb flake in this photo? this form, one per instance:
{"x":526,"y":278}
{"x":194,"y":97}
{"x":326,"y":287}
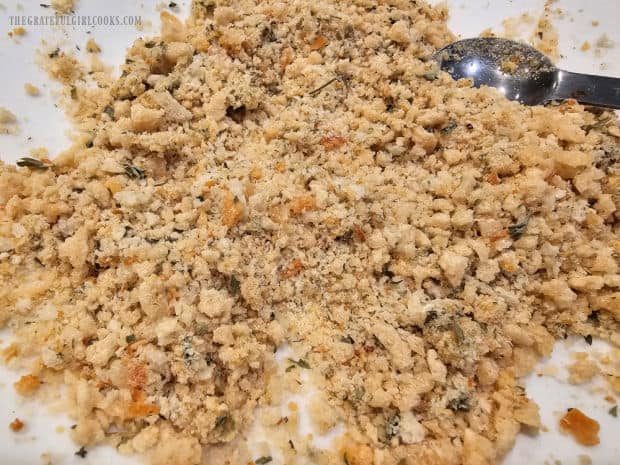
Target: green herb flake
{"x":516,"y":230}
{"x":32,"y":163}
{"x":134,"y":172}
{"x":221,"y":421}
{"x":130,"y":338}
{"x":263,"y":460}
{"x":81,"y":452}
{"x":588,"y":339}
{"x":54,"y":54}
{"x":235,"y":285}
{"x":301,"y":363}
{"x":108,"y":110}
{"x":614,"y":411}
{"x":448,"y":128}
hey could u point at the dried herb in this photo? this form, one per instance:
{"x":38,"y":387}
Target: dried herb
{"x":89,"y":144}
{"x":73,"y":93}
{"x":32,"y":163}
{"x":263,"y":460}
{"x":516,"y":230}
{"x":108,"y":110}
{"x":54,"y":54}
{"x":458,"y":332}
{"x":430,"y":316}
{"x":301,"y":363}
{"x":448,"y":128}
{"x":614,"y":411}
{"x":43,"y":5}
{"x":134,"y":172}
{"x":601,"y":123}
{"x":235,"y":285}
{"x":150,"y":44}
{"x":222,"y":421}
{"x":347,"y":339}
{"x":81,"y":452}
{"x":588,"y":339}
{"x":460,"y":404}
{"x":392,"y":426}
{"x":130,"y":338}
{"x":237,"y":114}
{"x":431,"y":75}
{"x":202,"y":329}
{"x":172,"y":5}
{"x":319,"y":89}
{"x":290,"y":443}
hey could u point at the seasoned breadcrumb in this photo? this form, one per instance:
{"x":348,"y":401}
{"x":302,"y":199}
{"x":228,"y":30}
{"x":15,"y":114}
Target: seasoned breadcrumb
{"x":276,"y":177}
{"x":31,"y":89}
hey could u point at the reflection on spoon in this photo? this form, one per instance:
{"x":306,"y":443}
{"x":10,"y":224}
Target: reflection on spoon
{"x":522,"y":73}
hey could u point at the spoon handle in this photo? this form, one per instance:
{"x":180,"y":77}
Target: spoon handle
{"x":589,"y":89}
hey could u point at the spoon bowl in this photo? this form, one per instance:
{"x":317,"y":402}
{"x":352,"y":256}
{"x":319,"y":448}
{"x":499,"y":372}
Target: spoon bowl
{"x":522,"y":73}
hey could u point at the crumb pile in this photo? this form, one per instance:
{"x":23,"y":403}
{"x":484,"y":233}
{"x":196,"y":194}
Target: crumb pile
{"x":300,"y":172}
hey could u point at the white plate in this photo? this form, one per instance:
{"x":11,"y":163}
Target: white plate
{"x":43,"y":124}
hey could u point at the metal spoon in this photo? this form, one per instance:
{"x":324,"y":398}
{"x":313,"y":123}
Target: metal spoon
{"x":522,"y":73}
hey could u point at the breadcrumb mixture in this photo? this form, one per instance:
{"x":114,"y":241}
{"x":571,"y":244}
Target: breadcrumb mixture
{"x":300,"y":172}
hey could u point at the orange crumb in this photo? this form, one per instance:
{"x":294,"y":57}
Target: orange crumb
{"x":10,"y":352}
{"x":585,"y":46}
{"x":27,"y":385}
{"x":301,"y":204}
{"x":583,"y":428}
{"x":358,"y":232}
{"x":232,"y":210}
{"x":16,"y":425}
{"x":113,"y":186}
{"x":293,"y":270}
{"x":595,"y":23}
{"x":19,"y":31}
{"x":280,"y":167}
{"x":493,"y":178}
{"x":292,"y":406}
{"x":319,"y":42}
{"x":141,"y":409}
{"x":332,"y":142}
{"x":256,"y":173}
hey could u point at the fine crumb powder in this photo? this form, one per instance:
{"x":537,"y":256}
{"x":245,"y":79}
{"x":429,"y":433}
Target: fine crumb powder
{"x":277,"y":177}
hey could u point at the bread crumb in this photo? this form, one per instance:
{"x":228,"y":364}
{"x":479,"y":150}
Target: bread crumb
{"x":92,"y":46}
{"x":63,"y":6}
{"x":8,"y":122}
{"x":604,"y":42}
{"x":31,"y":90}
{"x":583,"y":369}
{"x":27,"y":385}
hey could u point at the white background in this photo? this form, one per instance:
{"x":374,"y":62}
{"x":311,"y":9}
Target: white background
{"x":42,"y":123}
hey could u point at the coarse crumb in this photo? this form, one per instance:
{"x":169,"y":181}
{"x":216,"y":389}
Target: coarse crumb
{"x":31,"y":89}
{"x":92,"y":46}
{"x":8,"y":122}
{"x":582,"y":369}
{"x":276,"y":177}
{"x":63,"y":6}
